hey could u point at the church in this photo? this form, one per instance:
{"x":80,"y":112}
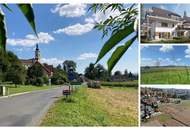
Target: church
{"x":27,"y":63}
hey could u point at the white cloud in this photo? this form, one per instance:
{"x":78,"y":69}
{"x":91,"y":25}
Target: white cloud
{"x":160,"y":61}
{"x":162,"y":7}
{"x":144,"y":46}
{"x":146,"y":59}
{"x":166,"y":48}
{"x":177,"y":7}
{"x":52,"y":61}
{"x":70,"y":10}
{"x":178,"y":59}
{"x":31,"y":40}
{"x":100,"y":16}
{"x":86,"y":56}
{"x":187,"y":52}
{"x":76,"y":29}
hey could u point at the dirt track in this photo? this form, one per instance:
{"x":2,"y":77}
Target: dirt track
{"x":177,"y":115}
{"x":180,"y":116}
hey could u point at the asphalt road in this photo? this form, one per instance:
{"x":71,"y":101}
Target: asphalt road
{"x":27,"y":109}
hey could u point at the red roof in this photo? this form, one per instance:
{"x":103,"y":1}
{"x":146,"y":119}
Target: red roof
{"x":27,"y":62}
{"x":48,"y":68}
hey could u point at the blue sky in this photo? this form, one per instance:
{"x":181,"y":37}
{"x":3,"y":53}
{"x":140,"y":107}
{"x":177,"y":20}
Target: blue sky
{"x":165,"y":54}
{"x":65,"y":33}
{"x":178,"y":8}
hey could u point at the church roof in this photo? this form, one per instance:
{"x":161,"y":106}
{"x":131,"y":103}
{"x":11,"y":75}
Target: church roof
{"x":47,"y":68}
{"x":27,"y":61}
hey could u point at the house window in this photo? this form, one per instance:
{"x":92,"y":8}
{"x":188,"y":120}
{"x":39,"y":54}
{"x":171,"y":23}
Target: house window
{"x":164,"y":24}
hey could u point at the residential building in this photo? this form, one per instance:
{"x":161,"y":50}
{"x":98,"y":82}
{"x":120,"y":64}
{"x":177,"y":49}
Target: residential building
{"x":159,"y":24}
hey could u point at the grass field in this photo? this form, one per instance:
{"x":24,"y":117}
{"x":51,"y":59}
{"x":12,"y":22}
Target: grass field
{"x":108,"y":106}
{"x":166,"y":75}
{"x":27,"y":88}
{"x":121,"y":84}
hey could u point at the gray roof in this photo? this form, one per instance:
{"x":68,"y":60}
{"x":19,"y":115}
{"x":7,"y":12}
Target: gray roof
{"x":163,"y":13}
{"x":186,"y":19}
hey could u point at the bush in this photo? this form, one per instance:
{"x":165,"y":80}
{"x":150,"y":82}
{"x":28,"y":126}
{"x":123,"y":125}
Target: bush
{"x":120,"y":84}
{"x":46,"y":79}
{"x":177,"y":38}
{"x":93,"y":84}
{"x":39,"y":81}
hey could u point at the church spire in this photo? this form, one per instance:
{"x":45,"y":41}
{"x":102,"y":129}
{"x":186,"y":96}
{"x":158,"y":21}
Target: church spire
{"x":37,"y":53}
{"x":185,"y":14}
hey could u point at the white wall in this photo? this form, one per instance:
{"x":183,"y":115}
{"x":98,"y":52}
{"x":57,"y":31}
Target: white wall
{"x":163,"y":29}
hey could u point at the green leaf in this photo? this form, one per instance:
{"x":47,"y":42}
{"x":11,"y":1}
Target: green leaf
{"x":7,"y":7}
{"x":28,"y":12}
{"x":114,"y":40}
{"x":118,"y":53}
{"x":2,"y":31}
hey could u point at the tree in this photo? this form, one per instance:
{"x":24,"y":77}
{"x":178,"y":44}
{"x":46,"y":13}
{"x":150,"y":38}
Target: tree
{"x":101,"y":72}
{"x":59,"y":67}
{"x":27,"y":11}
{"x":130,"y":75}
{"x":126,"y":73}
{"x":119,"y":27}
{"x":118,"y":73}
{"x":4,"y":64}
{"x":59,"y":77}
{"x":35,"y":74}
{"x":69,"y":64}
{"x":90,"y":72}
{"x":11,"y":68}
{"x":16,"y":74}
{"x":96,"y":72}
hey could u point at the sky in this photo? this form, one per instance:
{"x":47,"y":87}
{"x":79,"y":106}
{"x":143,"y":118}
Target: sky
{"x":177,"y":8}
{"x":165,"y":55}
{"x":65,"y":33}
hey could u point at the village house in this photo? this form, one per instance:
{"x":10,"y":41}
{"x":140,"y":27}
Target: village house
{"x":158,"y":24}
{"x":27,"y":63}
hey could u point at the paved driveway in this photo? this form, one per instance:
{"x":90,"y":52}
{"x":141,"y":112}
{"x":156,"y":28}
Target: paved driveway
{"x":27,"y":109}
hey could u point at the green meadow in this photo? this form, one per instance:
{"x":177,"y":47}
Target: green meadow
{"x":165,"y":75}
{"x":108,"y":106}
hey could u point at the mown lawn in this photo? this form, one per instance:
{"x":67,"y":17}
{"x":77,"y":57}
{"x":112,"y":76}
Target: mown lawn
{"x":27,"y":88}
{"x":166,"y":75}
{"x":96,"y":107}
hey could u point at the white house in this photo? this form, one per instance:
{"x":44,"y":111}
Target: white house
{"x":164,"y":24}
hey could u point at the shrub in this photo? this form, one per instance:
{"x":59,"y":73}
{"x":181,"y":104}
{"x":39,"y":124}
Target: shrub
{"x":46,"y":79}
{"x":120,"y":84}
{"x":39,"y":81}
{"x":177,"y":38}
{"x":93,"y":84}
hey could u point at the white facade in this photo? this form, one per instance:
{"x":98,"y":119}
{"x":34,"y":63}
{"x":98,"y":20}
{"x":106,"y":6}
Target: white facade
{"x":168,"y":26}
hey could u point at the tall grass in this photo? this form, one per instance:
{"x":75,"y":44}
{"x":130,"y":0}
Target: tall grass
{"x":166,"y":75}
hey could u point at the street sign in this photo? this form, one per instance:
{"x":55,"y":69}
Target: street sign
{"x":71,"y":76}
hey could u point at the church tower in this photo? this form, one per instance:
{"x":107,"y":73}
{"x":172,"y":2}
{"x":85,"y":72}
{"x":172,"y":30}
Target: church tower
{"x":184,"y":14}
{"x":37,"y":53}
